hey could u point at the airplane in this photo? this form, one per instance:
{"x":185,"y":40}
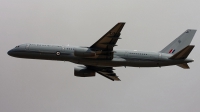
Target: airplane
{"x":101,"y":57}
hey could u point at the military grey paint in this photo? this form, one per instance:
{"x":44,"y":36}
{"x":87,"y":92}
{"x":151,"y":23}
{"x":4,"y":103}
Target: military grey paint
{"x":101,"y":57}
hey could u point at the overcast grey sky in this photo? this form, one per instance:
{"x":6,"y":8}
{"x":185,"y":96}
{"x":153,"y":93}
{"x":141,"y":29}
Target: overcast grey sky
{"x":50,"y":86}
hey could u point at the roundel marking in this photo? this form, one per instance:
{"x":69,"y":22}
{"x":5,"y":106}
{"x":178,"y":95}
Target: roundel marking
{"x":58,"y":53}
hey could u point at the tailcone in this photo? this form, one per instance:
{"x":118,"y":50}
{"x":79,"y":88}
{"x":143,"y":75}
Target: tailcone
{"x":189,"y":60}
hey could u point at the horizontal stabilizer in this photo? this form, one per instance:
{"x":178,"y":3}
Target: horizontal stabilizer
{"x":183,"y":54}
{"x":184,"y":66}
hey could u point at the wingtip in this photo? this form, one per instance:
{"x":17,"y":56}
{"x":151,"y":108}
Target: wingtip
{"x":191,"y":30}
{"x":121,"y":22}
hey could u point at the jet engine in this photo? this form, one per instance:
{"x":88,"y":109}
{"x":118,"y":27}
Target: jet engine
{"x":82,"y":71}
{"x":84,"y":52}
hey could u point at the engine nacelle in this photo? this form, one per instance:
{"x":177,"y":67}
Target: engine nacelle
{"x":82,"y":71}
{"x":84,"y":52}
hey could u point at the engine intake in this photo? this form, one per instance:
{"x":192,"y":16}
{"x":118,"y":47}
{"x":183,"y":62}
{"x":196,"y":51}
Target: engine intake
{"x":82,"y":71}
{"x":84,"y":52}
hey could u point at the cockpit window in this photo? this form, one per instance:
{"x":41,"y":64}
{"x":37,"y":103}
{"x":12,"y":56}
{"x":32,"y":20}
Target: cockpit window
{"x":16,"y":46}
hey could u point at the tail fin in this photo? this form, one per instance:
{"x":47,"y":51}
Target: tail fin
{"x":180,"y":43}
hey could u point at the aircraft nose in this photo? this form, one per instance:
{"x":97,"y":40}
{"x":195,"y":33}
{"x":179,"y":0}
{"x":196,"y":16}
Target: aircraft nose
{"x":10,"y":52}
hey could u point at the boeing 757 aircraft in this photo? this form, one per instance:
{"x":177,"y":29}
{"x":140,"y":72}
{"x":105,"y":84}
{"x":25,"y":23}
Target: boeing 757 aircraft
{"x":101,"y":57}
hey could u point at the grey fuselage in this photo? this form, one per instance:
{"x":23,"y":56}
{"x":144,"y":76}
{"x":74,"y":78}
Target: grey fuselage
{"x":132,"y":58}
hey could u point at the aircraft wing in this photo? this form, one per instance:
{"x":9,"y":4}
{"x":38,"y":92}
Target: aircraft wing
{"x":106,"y":72}
{"x":109,"y":40}
{"x":104,"y":50}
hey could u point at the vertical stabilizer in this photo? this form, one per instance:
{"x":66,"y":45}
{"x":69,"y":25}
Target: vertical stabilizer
{"x":179,"y":43}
